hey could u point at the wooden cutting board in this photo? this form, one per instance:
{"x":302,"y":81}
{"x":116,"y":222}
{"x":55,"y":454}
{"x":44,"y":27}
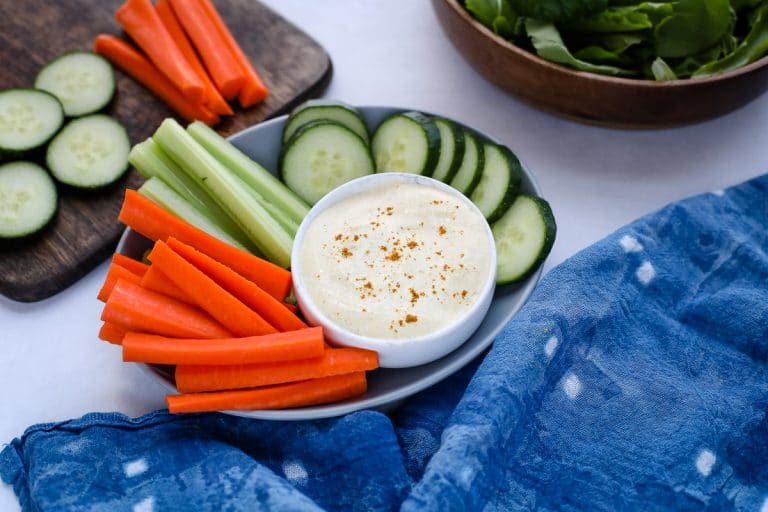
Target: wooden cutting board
{"x":32,"y":32}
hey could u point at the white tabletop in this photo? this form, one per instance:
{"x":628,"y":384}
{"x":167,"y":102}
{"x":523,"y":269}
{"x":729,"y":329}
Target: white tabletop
{"x":53,"y":367}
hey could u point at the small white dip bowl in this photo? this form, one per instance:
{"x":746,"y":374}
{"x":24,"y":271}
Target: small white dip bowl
{"x":394,"y":353}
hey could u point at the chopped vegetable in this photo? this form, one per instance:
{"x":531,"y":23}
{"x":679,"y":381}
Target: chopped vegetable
{"x":297,"y":394}
{"x":206,"y":293}
{"x":125,"y":57}
{"x":82,"y":81}
{"x":221,"y":64}
{"x":212,"y":98}
{"x":140,"y":21}
{"x":150,"y":220}
{"x":136,"y":309}
{"x":270,"y":348}
{"x":112,"y":333}
{"x":254,"y":91}
{"x":131,"y":264}
{"x":270,"y":238}
{"x":272,"y":310}
{"x":115,"y":272}
{"x":334,"y":361}
{"x":156,"y":281}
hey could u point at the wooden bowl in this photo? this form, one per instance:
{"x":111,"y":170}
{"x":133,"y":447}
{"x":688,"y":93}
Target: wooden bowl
{"x":592,"y":98}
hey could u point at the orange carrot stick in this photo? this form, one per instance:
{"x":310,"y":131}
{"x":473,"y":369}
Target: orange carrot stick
{"x":213,"y":99}
{"x":155,"y":223}
{"x":291,"y":307}
{"x":246,"y":291}
{"x":114,"y":273}
{"x":140,"y":21}
{"x":221,"y":64}
{"x":285,"y":346}
{"x":133,"y":63}
{"x":253,"y":91}
{"x":283,"y":396}
{"x":112,"y":333}
{"x":206,"y":293}
{"x":131,"y":264}
{"x":334,"y":361}
{"x":136,"y":309}
{"x":158,"y":282}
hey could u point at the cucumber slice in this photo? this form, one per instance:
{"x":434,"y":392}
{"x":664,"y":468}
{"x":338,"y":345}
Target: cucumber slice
{"x":322,"y":156}
{"x":82,"y":81}
{"x":89,"y":153}
{"x":524,"y":236}
{"x":328,"y":110}
{"x":408,"y":142}
{"x":451,"y":150}
{"x":28,"y":119}
{"x":28,"y":199}
{"x":499,"y":182}
{"x":471,"y":169}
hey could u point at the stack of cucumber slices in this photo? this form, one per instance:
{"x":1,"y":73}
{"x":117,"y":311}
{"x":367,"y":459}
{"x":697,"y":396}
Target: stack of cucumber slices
{"x":326,"y":143}
{"x":56,"y":125}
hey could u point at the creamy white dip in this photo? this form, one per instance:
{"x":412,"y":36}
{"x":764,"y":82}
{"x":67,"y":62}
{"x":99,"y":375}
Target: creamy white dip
{"x":398,"y":261}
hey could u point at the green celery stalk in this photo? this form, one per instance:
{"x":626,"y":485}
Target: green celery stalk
{"x":281,"y":217}
{"x":253,"y":174}
{"x":159,"y":192}
{"x":151,"y":161}
{"x":264,"y":231}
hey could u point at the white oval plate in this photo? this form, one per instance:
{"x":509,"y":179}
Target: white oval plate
{"x":386,"y":387}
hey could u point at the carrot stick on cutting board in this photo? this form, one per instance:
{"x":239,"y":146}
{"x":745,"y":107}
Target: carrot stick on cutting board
{"x":253,"y":91}
{"x":155,"y":223}
{"x":285,"y":346}
{"x":206,"y":293}
{"x":133,"y":63}
{"x":114,"y":273}
{"x":219,"y":60}
{"x":112,"y":333}
{"x":212,"y":99}
{"x":246,"y":291}
{"x":334,"y":361}
{"x":136,"y":309}
{"x":283,"y":396}
{"x":131,"y":264}
{"x":140,"y":21}
{"x":158,"y":282}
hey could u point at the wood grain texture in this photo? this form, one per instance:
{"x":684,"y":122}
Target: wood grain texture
{"x":592,"y":98}
{"x":85,"y":231}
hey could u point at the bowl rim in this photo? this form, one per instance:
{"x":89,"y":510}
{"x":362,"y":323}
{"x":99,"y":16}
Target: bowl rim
{"x":643,"y":83}
{"x":345,"y":336}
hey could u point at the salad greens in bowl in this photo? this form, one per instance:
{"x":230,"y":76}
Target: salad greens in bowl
{"x":638,"y":39}
{"x":620,"y":63}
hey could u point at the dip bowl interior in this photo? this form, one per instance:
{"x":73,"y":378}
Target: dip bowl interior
{"x":402,"y":352}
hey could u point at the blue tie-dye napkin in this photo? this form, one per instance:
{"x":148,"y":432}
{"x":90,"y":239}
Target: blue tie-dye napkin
{"x":635,"y":378}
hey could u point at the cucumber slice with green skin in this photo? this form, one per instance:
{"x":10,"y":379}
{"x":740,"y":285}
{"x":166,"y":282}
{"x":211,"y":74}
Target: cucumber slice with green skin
{"x":159,"y":192}
{"x":499,"y":182}
{"x":322,"y":156}
{"x":261,"y":180}
{"x":28,"y":200}
{"x":408,"y":142}
{"x":89,"y":152}
{"x":83,"y":82}
{"x":451,"y":150}
{"x":28,"y":120}
{"x":524,"y":236}
{"x":328,"y":110}
{"x":471,"y":169}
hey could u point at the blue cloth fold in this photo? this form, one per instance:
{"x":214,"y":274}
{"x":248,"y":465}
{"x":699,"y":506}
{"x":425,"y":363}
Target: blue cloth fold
{"x":636,"y":377}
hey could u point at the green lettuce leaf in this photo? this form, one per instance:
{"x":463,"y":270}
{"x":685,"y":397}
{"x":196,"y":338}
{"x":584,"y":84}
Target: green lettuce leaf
{"x":557,"y":10}
{"x":694,"y":26}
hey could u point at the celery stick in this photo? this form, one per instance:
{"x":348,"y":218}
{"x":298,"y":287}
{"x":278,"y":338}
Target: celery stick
{"x":280,"y":216}
{"x":264,"y":231}
{"x":159,"y":192}
{"x":151,"y":160}
{"x":267,"y":185}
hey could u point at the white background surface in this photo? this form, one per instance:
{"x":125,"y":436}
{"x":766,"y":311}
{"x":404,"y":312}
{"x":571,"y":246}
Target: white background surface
{"x":52,"y":366}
